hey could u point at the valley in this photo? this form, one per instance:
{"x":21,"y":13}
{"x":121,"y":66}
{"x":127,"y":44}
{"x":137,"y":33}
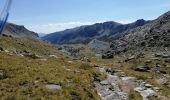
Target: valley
{"x":134,"y":64}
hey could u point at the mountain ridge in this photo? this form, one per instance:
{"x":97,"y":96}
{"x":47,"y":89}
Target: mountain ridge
{"x":84,"y":34}
{"x":18,"y":31}
{"x":154,"y":34}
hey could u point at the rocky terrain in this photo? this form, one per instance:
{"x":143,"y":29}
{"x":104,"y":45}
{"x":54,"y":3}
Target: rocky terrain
{"x":154,"y":34}
{"x":106,"y":31}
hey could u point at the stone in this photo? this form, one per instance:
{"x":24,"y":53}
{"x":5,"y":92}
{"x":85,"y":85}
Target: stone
{"x":70,"y":62}
{"x":105,"y":82}
{"x":167,"y":60}
{"x":147,"y":93}
{"x":166,"y":56}
{"x":96,"y":65}
{"x":158,"y":55}
{"x":1,"y":49}
{"x":110,"y":70}
{"x":162,"y":71}
{"x":107,"y":56}
{"x":148,"y":61}
{"x":148,"y":85}
{"x":6,"y":51}
{"x":139,"y":89}
{"x":156,"y":59}
{"x":3,"y":75}
{"x":130,"y":58}
{"x":53,"y":86}
{"x":128,"y":79}
{"x":142,"y":68}
{"x":53,"y":56}
{"x":31,"y":55}
{"x":156,"y":89}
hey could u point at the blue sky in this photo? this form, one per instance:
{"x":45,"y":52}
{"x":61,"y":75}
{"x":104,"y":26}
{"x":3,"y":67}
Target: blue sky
{"x":47,"y":16}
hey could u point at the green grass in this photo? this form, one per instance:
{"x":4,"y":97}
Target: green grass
{"x":133,"y":95}
{"x":27,"y":78}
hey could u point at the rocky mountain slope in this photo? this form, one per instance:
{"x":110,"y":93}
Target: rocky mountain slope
{"x":18,"y":31}
{"x":154,"y":34}
{"x":84,"y":34}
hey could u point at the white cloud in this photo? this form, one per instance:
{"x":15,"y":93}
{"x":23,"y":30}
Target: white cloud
{"x":54,"y":27}
{"x":49,"y":28}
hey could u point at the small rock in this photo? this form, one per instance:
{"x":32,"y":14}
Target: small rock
{"x":128,"y":79}
{"x":142,"y":69}
{"x":156,"y":89}
{"x":139,"y":89}
{"x":148,"y":61}
{"x":53,"y":87}
{"x":107,"y":56}
{"x":6,"y":51}
{"x":148,"y":85}
{"x":110,"y":70}
{"x":1,"y":49}
{"x":33,"y":56}
{"x":129,"y":58}
{"x":163,"y":71}
{"x":158,"y":55}
{"x":70,"y":62}
{"x":53,"y":56}
{"x":156,"y":59}
{"x":167,"y":60}
{"x":166,"y":56}
{"x":148,"y":93}
{"x":96,"y":65}
{"x":3,"y":75}
{"x":105,"y":82}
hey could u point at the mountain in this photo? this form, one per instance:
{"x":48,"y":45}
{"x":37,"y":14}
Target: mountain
{"x":153,"y":34}
{"x":18,"y":31}
{"x":102,"y":31}
{"x":41,"y":34}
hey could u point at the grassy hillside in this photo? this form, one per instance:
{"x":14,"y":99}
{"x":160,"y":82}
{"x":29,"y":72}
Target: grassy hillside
{"x":27,"y":78}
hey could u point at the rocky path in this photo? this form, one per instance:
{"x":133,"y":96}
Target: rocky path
{"x":117,"y":86}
